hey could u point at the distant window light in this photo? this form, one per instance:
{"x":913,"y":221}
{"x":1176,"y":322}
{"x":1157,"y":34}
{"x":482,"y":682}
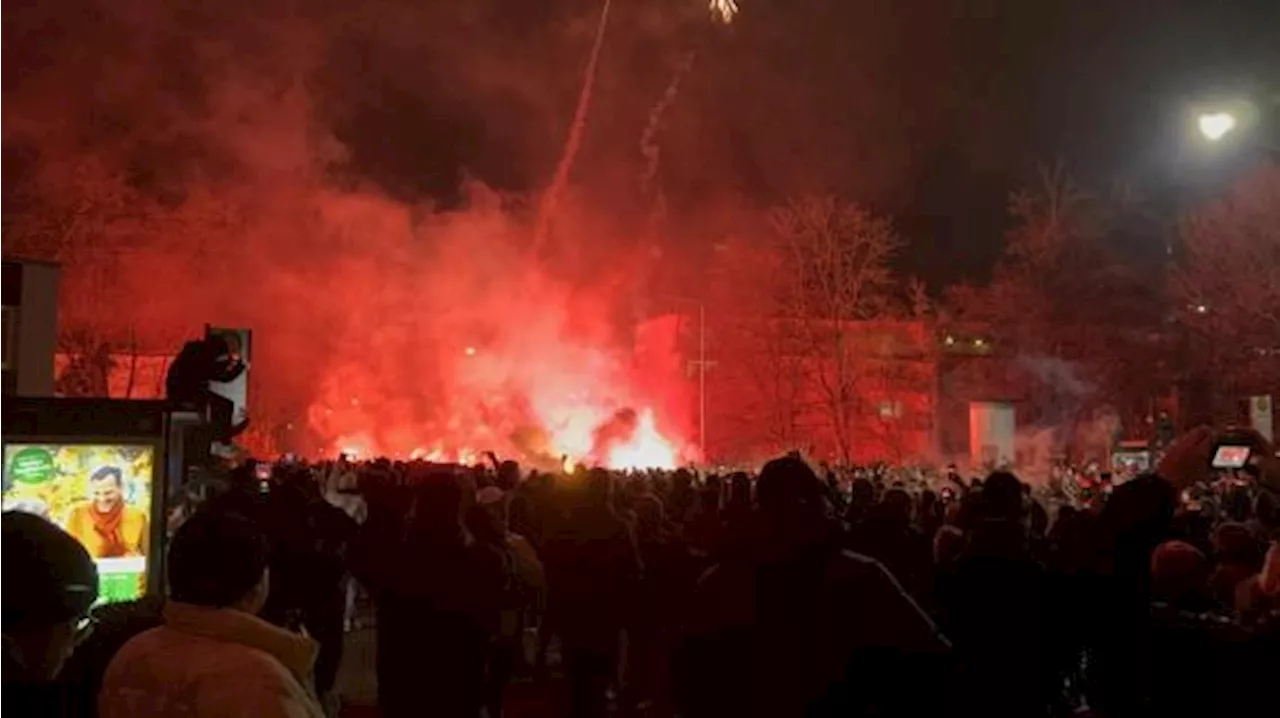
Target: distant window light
{"x":890,"y":409}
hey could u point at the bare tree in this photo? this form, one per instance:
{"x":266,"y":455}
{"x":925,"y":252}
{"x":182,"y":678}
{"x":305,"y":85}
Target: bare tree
{"x":84,"y":215}
{"x":1065,"y":292}
{"x":773,"y":406}
{"x":837,"y":272}
{"x":757,"y":347}
{"x":1228,"y":285}
{"x":88,"y":364}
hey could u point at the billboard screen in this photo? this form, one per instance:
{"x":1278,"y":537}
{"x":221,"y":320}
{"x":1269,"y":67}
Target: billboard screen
{"x":100,"y":493}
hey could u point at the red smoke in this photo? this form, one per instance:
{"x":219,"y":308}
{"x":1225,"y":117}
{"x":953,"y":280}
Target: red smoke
{"x":460,"y":342}
{"x":380,"y":323}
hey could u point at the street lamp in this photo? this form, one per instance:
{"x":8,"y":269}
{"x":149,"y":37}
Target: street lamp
{"x":1238,"y":122}
{"x":1214,"y":126}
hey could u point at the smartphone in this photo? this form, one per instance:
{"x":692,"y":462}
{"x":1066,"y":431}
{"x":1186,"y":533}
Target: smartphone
{"x":262,"y":471}
{"x":1231,"y":456}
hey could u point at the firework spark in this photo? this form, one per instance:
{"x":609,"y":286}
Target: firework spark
{"x":649,"y":140}
{"x":723,"y":10}
{"x":551,"y":199}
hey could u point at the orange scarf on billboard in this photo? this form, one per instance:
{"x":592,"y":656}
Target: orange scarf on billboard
{"x":108,"y":527}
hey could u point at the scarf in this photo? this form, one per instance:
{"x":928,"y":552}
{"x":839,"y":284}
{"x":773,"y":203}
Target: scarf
{"x":108,"y":527}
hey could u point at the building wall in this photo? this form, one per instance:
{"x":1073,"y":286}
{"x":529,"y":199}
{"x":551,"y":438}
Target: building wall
{"x":768,"y":392}
{"x":30,"y":327}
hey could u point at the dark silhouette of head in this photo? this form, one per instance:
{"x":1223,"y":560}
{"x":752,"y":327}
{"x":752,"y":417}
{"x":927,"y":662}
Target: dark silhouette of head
{"x":1137,"y":517}
{"x":895,"y":508}
{"x":788,"y":485}
{"x":1179,"y":573}
{"x":508,"y":475}
{"x":598,"y":488}
{"x":218,"y":559}
{"x":1002,"y":496}
{"x":49,"y":584}
{"x":441,"y":499}
{"x":862,"y":494}
{"x":740,"y":490}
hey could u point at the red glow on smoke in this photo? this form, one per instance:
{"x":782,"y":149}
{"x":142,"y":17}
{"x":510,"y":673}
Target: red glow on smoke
{"x":553,"y":434}
{"x":513,"y":359}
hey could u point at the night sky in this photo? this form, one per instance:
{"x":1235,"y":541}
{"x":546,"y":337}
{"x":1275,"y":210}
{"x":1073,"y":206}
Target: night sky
{"x":931,"y":110}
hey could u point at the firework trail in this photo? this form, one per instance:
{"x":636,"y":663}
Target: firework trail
{"x":551,"y":199}
{"x":649,"y":147}
{"x":722,"y":11}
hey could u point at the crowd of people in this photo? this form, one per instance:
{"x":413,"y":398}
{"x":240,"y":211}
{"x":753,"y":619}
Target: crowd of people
{"x":789,"y":592}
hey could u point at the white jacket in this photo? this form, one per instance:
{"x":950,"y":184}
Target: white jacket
{"x":211,"y":663}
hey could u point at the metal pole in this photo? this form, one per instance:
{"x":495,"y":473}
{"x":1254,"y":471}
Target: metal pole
{"x":702,"y":379}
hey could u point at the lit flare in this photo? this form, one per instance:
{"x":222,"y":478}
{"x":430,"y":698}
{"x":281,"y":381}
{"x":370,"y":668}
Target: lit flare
{"x":646,"y":448}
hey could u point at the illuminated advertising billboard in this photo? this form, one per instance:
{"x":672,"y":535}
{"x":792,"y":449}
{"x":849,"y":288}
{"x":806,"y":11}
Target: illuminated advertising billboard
{"x":100,"y":493}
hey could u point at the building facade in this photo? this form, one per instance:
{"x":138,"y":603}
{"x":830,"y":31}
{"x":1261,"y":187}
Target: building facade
{"x":848,"y":392}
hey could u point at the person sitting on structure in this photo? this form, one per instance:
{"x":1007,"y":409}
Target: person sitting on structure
{"x":200,"y":362}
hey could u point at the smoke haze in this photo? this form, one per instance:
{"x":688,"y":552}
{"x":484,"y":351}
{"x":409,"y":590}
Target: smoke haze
{"x":357,"y":183}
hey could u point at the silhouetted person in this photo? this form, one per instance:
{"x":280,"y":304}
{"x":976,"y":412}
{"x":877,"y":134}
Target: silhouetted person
{"x":593,"y":568}
{"x":487,"y":522}
{"x":997,"y":608}
{"x":49,"y":584}
{"x":1136,"y":519}
{"x":187,"y":382}
{"x":438,"y":598}
{"x":792,"y":625}
{"x":888,"y":535}
{"x":309,"y":539}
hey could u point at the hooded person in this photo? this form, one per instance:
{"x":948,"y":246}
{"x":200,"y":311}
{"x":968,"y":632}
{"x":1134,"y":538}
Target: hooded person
{"x":793,"y":625}
{"x":49,"y":585}
{"x":213,"y":657}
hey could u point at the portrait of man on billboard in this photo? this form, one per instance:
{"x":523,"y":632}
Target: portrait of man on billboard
{"x":106,"y":524}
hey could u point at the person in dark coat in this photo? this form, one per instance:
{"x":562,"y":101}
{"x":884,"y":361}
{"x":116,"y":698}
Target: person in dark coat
{"x":793,"y":625}
{"x":593,"y":572}
{"x":997,"y":606}
{"x":438,"y":596}
{"x":49,"y":585}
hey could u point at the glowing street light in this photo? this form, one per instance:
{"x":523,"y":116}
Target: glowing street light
{"x":1214,"y":126}
{"x":469,"y":351}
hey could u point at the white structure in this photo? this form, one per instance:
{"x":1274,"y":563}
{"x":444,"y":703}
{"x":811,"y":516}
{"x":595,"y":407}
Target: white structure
{"x":993,"y":428}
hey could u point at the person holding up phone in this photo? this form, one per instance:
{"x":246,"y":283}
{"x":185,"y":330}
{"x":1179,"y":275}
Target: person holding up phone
{"x":1198,"y":454}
